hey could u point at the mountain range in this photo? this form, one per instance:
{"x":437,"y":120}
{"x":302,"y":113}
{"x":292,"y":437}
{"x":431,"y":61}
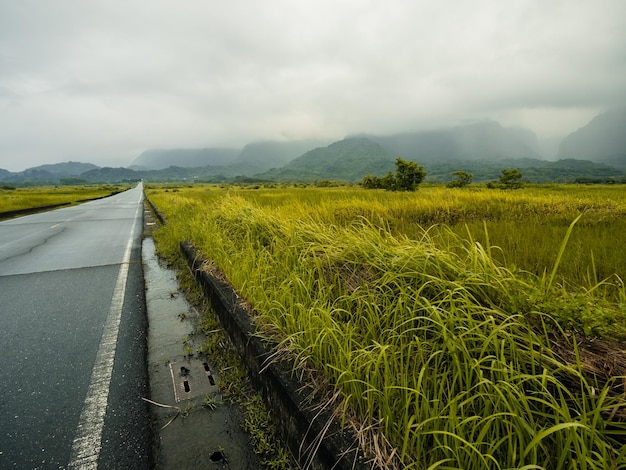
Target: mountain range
{"x":595,"y":152}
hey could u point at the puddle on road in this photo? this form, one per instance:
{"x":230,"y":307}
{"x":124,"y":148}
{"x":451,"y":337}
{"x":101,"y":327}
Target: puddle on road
{"x":208,"y":436}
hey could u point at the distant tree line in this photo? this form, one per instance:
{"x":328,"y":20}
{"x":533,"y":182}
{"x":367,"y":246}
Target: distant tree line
{"x":409,"y":175}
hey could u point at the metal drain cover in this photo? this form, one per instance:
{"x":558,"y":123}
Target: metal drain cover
{"x":191,"y":379}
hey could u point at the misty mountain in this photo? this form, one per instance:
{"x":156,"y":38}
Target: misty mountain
{"x":262,"y":156}
{"x":46,"y":174}
{"x":486,"y":140}
{"x":482,"y":149}
{"x":158,"y":159}
{"x":353,"y":158}
{"x":549,"y":146}
{"x":65,"y":168}
{"x":348,"y":159}
{"x":357,"y":156}
{"x":5,"y":174}
{"x":603,"y":140}
{"x":255,"y":157}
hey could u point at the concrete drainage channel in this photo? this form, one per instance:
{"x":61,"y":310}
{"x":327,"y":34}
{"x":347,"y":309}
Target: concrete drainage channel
{"x":188,"y":433}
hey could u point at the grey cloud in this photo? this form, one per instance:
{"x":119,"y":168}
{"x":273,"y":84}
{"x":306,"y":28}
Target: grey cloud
{"x":107,"y":79}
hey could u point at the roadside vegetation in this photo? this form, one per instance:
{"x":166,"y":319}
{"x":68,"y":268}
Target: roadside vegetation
{"x":12,"y":199}
{"x":461,"y":327}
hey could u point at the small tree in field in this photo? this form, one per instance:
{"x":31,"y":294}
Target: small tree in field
{"x":407,"y":178}
{"x":409,"y":175}
{"x":510,"y":179}
{"x":463,"y":179}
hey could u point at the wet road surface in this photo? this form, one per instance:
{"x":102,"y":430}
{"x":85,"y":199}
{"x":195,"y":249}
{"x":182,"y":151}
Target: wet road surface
{"x":73,"y":338}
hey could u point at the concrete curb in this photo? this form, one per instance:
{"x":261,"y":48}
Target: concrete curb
{"x":156,"y":211}
{"x":315,"y":437}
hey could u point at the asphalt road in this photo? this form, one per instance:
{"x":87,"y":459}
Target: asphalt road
{"x":73,"y":338}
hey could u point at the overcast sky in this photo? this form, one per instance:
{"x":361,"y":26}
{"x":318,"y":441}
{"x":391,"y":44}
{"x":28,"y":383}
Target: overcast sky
{"x":102,"y":80}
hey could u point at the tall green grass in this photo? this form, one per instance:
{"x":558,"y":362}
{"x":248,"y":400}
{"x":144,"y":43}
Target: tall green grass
{"x":430,"y":337}
{"x":525,"y":226}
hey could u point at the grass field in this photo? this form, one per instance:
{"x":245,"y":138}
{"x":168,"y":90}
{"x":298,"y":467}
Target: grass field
{"x":457,"y":325}
{"x":25,"y":198}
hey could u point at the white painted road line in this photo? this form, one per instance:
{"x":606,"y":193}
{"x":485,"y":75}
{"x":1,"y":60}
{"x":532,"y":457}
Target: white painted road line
{"x":88,"y":441}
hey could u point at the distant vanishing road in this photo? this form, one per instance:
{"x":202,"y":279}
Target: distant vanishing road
{"x":72,"y":338}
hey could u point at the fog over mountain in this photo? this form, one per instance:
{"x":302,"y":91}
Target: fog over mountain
{"x":157,"y":159}
{"x":105,"y":80}
{"x":593,"y":153}
{"x":266,"y":155}
{"x":63,"y":169}
{"x":48,"y":173}
{"x":486,"y":140}
{"x":252,"y":158}
{"x":603,"y":140}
